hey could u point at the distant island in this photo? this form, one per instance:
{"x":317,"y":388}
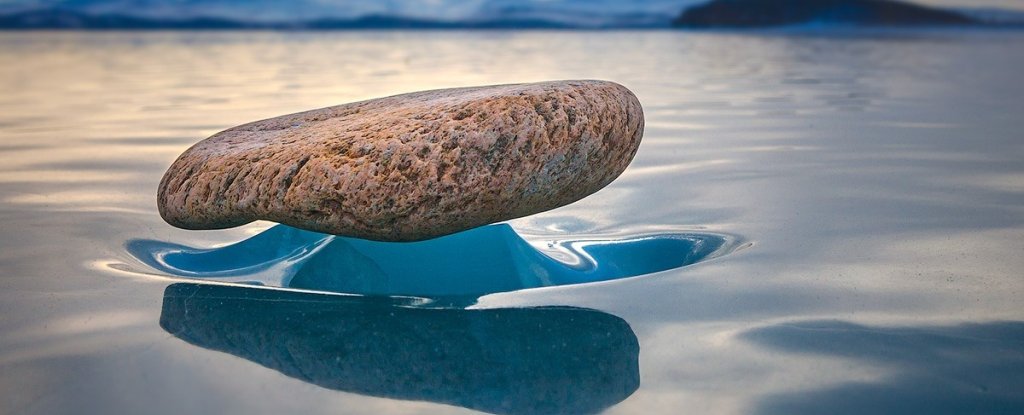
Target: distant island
{"x":773,"y":13}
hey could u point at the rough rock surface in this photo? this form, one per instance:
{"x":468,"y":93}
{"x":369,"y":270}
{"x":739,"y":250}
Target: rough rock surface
{"x":413,"y":166}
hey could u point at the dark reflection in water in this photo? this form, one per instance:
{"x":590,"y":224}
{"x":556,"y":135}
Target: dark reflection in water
{"x":468,"y":264}
{"x":969,"y":368}
{"x":523,"y":360}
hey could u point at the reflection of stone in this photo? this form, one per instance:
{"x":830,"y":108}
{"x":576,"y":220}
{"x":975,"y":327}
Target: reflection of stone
{"x":479,"y":261}
{"x":525,"y":360}
{"x":413,"y":166}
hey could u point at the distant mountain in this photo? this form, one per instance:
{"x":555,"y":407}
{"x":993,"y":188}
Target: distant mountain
{"x":771,"y":13}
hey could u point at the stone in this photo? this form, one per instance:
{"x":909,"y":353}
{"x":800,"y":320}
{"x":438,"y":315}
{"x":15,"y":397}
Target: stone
{"x":413,"y":166}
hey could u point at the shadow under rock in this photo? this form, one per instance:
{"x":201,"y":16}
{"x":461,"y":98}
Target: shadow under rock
{"x":968,"y":368}
{"x":522,"y":360}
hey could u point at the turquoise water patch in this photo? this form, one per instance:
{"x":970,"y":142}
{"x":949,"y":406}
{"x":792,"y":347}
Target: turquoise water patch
{"x":476,"y":262}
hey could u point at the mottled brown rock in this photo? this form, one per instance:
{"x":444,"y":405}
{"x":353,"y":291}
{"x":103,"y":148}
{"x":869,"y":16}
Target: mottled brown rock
{"x":413,"y":166}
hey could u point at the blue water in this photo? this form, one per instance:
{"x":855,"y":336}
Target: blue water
{"x":485,"y":260}
{"x":815,"y":222}
{"x":955,"y":369}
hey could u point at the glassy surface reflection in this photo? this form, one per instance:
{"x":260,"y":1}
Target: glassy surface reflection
{"x":479,"y":261}
{"x":517,"y":360}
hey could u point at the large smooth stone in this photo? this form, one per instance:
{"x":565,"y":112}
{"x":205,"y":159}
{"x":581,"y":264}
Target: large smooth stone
{"x":413,"y":166}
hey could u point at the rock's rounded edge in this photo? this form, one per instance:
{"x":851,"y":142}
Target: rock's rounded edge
{"x":212,"y":185}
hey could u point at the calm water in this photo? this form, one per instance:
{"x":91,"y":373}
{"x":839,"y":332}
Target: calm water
{"x":872,"y":186}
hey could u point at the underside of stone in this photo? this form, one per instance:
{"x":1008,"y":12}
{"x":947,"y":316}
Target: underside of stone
{"x":413,"y":166}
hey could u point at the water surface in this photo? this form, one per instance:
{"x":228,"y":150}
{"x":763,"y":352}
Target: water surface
{"x":485,"y":260}
{"x":878,"y":180}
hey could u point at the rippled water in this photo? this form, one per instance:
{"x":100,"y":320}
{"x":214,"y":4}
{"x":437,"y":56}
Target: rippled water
{"x":874,"y":184}
{"x":466,"y":265}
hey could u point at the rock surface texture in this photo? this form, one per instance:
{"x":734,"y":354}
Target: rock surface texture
{"x":413,"y":166}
